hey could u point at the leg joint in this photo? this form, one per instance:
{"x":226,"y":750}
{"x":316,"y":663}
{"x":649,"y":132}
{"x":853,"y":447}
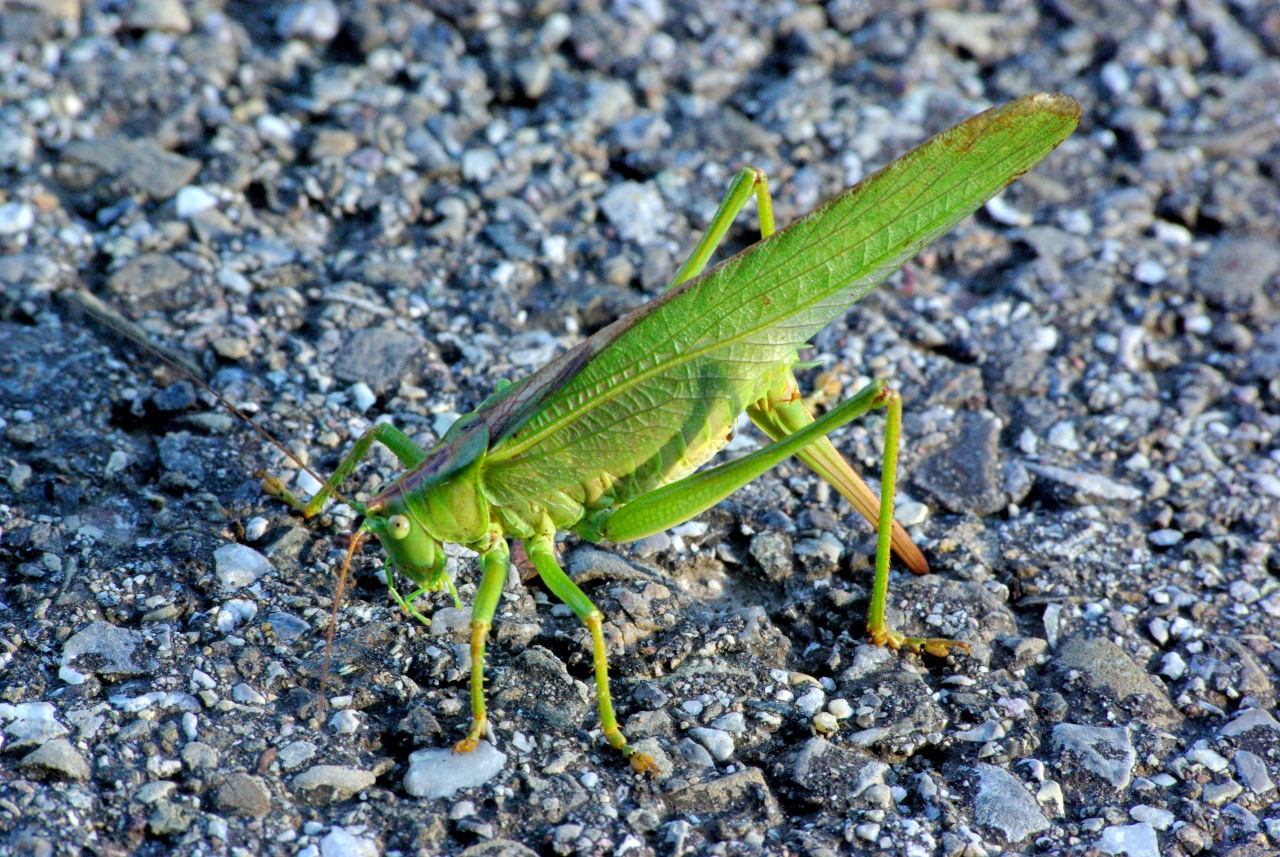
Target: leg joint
{"x":886,"y":395}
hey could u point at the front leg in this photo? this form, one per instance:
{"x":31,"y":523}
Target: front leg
{"x":494,"y":562}
{"x":400,"y":444}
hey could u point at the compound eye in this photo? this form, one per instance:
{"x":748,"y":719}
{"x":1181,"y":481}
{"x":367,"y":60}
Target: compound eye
{"x":398,"y":526}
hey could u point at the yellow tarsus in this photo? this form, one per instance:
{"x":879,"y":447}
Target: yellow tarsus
{"x":936,"y":646}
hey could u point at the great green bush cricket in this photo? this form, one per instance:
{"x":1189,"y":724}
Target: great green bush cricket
{"x":604,"y":440}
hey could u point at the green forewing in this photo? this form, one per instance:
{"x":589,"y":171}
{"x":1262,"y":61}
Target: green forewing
{"x":657,"y":373}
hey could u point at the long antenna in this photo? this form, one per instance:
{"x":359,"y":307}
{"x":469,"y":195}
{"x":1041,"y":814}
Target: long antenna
{"x":352,"y":548}
{"x":86,"y":301}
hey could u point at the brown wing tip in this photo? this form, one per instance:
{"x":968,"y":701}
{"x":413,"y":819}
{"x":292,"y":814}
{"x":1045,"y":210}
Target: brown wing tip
{"x":907,"y":551}
{"x":1053,"y":102}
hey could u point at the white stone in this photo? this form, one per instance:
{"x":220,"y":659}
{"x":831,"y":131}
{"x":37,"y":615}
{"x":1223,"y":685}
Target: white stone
{"x":342,"y":843}
{"x":239,"y":565}
{"x":192,"y":200}
{"x":1133,"y":840}
{"x":441,"y":772}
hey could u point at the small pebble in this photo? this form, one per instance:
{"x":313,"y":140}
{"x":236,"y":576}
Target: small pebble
{"x":825,"y":723}
{"x":1149,"y":273}
{"x":245,"y":694}
{"x":1173,"y":666}
{"x":840,"y":708}
{"x":192,"y":200}
{"x":1160,"y":819}
{"x":15,"y":218}
{"x":313,"y":21}
{"x":1208,"y":758}
{"x":345,"y":722}
{"x":911,"y":513}
{"x":342,"y":843}
{"x":1253,"y":772}
{"x":718,"y":742}
{"x":331,"y":783}
{"x":1133,"y":840}
{"x":362,"y":397}
{"x":239,"y":565}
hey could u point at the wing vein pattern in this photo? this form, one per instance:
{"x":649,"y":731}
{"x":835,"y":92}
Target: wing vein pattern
{"x":693,"y":358}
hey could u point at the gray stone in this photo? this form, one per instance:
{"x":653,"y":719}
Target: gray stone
{"x":540,"y":681}
{"x":1112,"y":677}
{"x":1109,"y":753}
{"x":991,"y":730}
{"x":1235,"y":272}
{"x":238,"y":566}
{"x":589,"y":563}
{"x":636,"y":210}
{"x":695,"y":754}
{"x":1216,"y":794}
{"x":246,"y":694}
{"x":295,"y":754}
{"x":287,"y":626}
{"x":155,"y":791}
{"x":28,"y":733}
{"x":242,"y":794}
{"x":965,"y":476}
{"x":498,"y":848}
{"x":1131,"y":840}
{"x":340,"y":842}
{"x":323,"y":784}
{"x":313,"y":21}
{"x":167,"y":16}
{"x":1086,"y":488}
{"x":718,"y":742}
{"x":197,"y":755}
{"x":15,"y":218}
{"x":379,"y":357}
{"x":1001,"y":803}
{"x":1248,"y":720}
{"x":57,"y":758}
{"x":1253,"y":770}
{"x":103,"y":648}
{"x":1160,"y":819}
{"x":773,"y":551}
{"x":139,"y":165}
{"x":834,"y":776}
{"x":168,"y":819}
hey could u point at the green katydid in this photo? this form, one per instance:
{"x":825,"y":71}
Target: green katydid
{"x":604,"y":440}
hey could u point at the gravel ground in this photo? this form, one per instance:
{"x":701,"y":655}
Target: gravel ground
{"x":346,"y":212}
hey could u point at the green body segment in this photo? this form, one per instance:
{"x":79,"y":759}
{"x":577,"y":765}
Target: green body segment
{"x":603,"y":439}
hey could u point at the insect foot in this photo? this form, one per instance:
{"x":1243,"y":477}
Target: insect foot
{"x":273,"y":486}
{"x":935,"y":646}
{"x":466,"y":745}
{"x":643,"y":763}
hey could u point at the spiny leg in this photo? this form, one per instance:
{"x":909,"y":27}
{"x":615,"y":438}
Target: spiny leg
{"x":541,"y":551}
{"x":671,"y":504}
{"x":788,"y":414}
{"x":408,"y":452}
{"x":679,"y":501}
{"x":878,"y":632}
{"x":782,"y":414}
{"x":494,"y":563}
{"x":749,"y":181}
